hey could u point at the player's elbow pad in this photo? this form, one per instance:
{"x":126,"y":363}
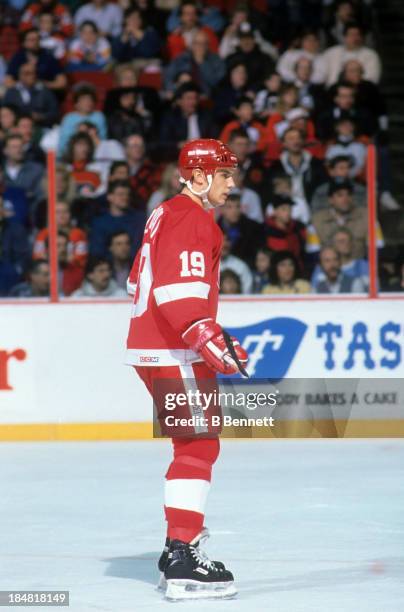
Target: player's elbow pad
{"x":220,"y":352}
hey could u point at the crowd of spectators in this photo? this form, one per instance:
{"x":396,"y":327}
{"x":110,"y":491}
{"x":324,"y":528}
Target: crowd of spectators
{"x":117,"y":87}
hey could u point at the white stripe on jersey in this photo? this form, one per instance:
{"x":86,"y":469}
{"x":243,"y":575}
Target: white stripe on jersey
{"x":181,"y":291}
{"x":130,"y":287}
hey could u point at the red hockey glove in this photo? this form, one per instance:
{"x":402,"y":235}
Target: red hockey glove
{"x":220,"y":351}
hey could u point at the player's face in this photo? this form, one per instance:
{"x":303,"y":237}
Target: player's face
{"x":223,"y":181}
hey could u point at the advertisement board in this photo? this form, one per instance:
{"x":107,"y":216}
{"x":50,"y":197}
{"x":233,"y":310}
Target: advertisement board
{"x":62,"y":371}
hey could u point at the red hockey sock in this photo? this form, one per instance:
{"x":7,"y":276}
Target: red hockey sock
{"x":187,"y":486}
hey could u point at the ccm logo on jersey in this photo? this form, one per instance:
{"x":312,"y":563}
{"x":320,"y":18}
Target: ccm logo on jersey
{"x":148,"y":359}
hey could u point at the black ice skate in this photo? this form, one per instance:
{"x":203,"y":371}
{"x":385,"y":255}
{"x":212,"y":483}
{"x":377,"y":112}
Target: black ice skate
{"x":191,"y":575}
{"x":162,"y":584}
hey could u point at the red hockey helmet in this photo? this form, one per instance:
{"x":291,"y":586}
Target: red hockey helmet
{"x":207,"y":154}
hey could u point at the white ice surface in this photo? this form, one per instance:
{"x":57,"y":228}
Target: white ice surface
{"x":305,"y":526}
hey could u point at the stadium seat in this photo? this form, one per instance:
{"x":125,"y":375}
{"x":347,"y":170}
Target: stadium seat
{"x":150,"y":78}
{"x":9,"y":42}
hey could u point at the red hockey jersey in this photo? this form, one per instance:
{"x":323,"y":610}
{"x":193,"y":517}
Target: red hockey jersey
{"x":175,"y":281}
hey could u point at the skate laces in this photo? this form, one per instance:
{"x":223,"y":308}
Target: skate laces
{"x":202,"y":558}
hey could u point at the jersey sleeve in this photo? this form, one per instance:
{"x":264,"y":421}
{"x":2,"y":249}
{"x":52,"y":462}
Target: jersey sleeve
{"x":183,"y":270}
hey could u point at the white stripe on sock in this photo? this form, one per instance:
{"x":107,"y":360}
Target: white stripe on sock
{"x":186,"y":494}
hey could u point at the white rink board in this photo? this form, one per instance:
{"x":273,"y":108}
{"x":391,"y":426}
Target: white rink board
{"x":73,"y":368}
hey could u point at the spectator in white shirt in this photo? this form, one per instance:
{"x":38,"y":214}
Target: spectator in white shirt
{"x":106,"y":15}
{"x":336,"y":57}
{"x":310,"y":48}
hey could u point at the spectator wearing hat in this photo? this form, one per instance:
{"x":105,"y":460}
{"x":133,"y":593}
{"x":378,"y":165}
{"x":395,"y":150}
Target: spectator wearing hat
{"x":309,"y":48}
{"x":239,"y":25}
{"x":284,"y":275}
{"x":244,"y":112}
{"x":181,"y":38}
{"x":334,"y":279}
{"x":248,"y":53}
{"x":228,"y":261}
{"x":352,"y":48}
{"x":282,"y":185}
{"x":128,"y":117}
{"x":342,"y":241}
{"x":306,"y":172}
{"x":84,"y":100}
{"x":98,"y":281}
{"x":283,"y":233}
{"x":299,"y":119}
{"x":185,"y":120}
{"x":342,"y":212}
{"x":339,"y":171}
{"x":245,"y":235}
{"x":205,"y":67}
{"x":147,"y":99}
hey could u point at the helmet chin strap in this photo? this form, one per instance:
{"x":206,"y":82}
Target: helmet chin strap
{"x":201,"y":194}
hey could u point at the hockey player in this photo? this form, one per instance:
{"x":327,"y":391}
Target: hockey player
{"x":173,"y":334}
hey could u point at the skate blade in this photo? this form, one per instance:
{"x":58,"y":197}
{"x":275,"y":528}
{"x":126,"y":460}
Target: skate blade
{"x":178,"y":590}
{"x":162,"y":583}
